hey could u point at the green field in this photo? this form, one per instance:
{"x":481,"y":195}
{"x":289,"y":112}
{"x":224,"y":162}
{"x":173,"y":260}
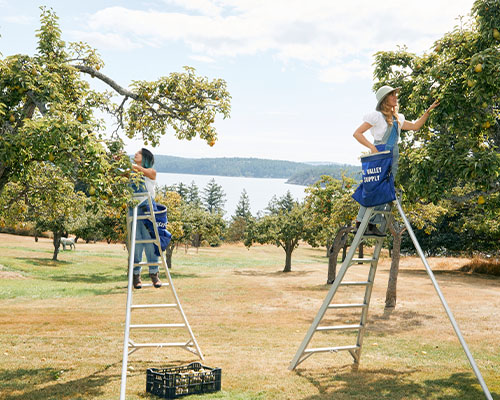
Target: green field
{"x":62,"y":325}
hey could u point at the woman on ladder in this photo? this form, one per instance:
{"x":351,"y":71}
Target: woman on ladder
{"x":385,"y":124}
{"x":143,"y":163}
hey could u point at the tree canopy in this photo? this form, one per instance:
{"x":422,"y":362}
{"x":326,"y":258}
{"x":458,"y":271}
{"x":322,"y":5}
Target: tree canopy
{"x":47,"y":114}
{"x":463,"y":72}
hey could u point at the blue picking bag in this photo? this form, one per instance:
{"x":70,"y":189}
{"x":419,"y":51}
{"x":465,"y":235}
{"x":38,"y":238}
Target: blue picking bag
{"x":377,"y":186}
{"x":161,"y":224}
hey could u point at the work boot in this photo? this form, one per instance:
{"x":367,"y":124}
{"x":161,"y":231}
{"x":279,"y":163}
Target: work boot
{"x":137,"y":281}
{"x":156,"y":280}
{"x":374,"y":231}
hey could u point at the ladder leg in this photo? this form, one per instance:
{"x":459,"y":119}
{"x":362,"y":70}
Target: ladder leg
{"x":172,"y":288}
{"x":368,"y":292}
{"x":123,"y":386}
{"x":366,"y":300}
{"x":444,"y":303}
{"x":345,"y":265}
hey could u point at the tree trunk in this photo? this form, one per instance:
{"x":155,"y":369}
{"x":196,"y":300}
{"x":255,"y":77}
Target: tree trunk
{"x":391,"y":293}
{"x":57,"y":243}
{"x":338,"y":243}
{"x":168,"y":254}
{"x":288,"y":258}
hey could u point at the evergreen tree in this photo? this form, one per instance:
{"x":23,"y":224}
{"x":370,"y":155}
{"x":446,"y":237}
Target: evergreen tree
{"x":284,"y":203}
{"x":193,"y":195}
{"x":243,"y":207}
{"x":214,"y":197}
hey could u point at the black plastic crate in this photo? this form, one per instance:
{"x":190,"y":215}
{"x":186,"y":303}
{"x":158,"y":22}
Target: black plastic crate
{"x":171,"y":383}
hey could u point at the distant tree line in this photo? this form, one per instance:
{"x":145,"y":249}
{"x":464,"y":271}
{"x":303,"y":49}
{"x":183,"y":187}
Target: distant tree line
{"x":312,"y":175}
{"x":249,"y":167}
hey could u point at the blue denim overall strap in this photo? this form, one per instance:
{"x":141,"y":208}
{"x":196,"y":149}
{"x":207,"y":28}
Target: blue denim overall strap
{"x":391,"y":136}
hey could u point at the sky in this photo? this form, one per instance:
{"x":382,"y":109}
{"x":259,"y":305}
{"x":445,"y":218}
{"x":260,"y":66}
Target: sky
{"x":300,"y":73}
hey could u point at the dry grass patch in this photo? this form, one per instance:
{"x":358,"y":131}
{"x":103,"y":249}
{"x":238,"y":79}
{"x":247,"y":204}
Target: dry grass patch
{"x":483,"y":266}
{"x":248,"y":318}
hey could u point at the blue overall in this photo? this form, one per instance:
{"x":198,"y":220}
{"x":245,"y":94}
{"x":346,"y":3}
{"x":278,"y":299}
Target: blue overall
{"x":143,"y":233}
{"x":388,"y":142}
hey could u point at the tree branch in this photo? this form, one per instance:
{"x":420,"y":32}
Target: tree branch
{"x":110,"y":82}
{"x":39,"y":104}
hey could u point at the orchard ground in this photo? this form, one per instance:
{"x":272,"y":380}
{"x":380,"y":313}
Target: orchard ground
{"x":62,"y":324}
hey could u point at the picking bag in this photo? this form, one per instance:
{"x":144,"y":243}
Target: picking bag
{"x":160,"y":212}
{"x":377,"y":186}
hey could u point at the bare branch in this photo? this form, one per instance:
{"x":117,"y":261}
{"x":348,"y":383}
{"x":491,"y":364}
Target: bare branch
{"x":94,"y":73}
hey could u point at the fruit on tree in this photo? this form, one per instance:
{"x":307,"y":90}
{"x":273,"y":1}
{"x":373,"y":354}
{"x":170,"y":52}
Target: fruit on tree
{"x":478,"y":68}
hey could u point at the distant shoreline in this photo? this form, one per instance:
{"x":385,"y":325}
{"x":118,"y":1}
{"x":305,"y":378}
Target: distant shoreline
{"x":297,"y":173}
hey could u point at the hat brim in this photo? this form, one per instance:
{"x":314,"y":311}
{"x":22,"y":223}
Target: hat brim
{"x":387,"y":94}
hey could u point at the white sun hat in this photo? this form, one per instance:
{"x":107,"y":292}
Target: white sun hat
{"x":382,"y":93}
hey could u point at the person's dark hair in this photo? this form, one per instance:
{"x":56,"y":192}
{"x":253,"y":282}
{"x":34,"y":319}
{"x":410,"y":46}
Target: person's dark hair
{"x":148,"y":159}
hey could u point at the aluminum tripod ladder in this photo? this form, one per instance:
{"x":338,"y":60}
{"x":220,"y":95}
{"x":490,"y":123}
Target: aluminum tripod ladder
{"x":304,"y":352}
{"x":130,"y":346}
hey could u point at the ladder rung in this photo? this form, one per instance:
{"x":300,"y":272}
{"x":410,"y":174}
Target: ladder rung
{"x":146,"y":264}
{"x":145,"y":241}
{"x":140,"y":326}
{"x":151,"y":285}
{"x":338,"y":327}
{"x":360,"y":305}
{"x":362,"y":283}
{"x":331,"y":349}
{"x":137,"y":306}
{"x":363,"y":260}
{"x":139,"y":345}
{"x":147,"y":216}
{"x":385,"y":212}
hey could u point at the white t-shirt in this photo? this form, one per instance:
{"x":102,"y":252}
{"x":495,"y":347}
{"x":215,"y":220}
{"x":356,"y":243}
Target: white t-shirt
{"x":150,"y":186}
{"x":379,"y":125}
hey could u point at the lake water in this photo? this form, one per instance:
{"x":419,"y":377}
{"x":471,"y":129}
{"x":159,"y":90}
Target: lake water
{"x":259,"y":190}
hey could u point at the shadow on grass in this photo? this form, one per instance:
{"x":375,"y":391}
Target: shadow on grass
{"x":390,"y":384}
{"x":276,"y":274}
{"x":392,"y":323}
{"x":451,"y":274}
{"x":43,"y":262}
{"x":24,"y":381}
{"x":86,"y":278}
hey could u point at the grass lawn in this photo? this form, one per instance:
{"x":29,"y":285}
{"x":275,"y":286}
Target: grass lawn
{"x":61,"y":326}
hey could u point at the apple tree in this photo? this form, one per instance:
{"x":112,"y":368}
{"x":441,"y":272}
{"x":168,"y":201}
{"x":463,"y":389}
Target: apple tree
{"x":48,"y":114}
{"x":332,"y":210}
{"x":283,"y":225}
{"x":461,"y":145}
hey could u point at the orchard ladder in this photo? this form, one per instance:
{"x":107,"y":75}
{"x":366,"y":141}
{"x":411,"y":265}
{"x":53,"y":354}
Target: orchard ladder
{"x":304,"y":352}
{"x":130,"y":346}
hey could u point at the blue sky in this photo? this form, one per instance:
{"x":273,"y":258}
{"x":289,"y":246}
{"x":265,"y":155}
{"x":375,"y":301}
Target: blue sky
{"x":299,"y":72}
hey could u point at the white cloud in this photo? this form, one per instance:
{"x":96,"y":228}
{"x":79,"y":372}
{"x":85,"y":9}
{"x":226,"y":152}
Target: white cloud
{"x":203,"y":59}
{"x":106,"y":40}
{"x":205,"y":7}
{"x":346,"y":71}
{"x":18,"y":19}
{"x":328,"y":35}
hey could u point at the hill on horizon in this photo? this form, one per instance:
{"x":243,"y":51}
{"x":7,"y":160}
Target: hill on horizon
{"x":296,"y":172}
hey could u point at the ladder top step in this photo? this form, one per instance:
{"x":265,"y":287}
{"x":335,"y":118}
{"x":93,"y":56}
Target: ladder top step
{"x":384,"y":212}
{"x":338,"y":327}
{"x":331,"y":349}
{"x":146,"y":241}
{"x":145,"y":285}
